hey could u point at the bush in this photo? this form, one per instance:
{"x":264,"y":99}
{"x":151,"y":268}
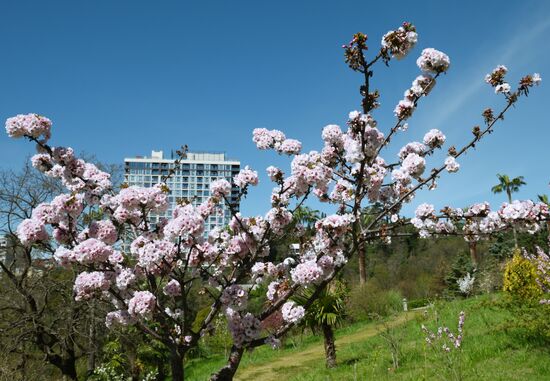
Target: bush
{"x":417,"y":303}
{"x":520,"y":278}
{"x":369,"y":300}
{"x":530,"y":317}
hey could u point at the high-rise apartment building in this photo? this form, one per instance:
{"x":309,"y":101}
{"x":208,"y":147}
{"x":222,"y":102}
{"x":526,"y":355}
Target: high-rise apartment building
{"x":4,"y":249}
{"x":190,"y":181}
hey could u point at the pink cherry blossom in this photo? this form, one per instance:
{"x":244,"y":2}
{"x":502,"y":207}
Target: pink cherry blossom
{"x":246,"y":177}
{"x":172,"y":288}
{"x":142,"y":304}
{"x":88,"y":283}
{"x":292,"y":313}
{"x":31,"y":231}
{"x":32,"y":125}
{"x":433,"y":61}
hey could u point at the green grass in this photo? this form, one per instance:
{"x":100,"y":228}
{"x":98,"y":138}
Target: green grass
{"x":490,"y":351}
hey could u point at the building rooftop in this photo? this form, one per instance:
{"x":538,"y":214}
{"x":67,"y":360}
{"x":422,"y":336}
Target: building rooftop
{"x":204,"y":156}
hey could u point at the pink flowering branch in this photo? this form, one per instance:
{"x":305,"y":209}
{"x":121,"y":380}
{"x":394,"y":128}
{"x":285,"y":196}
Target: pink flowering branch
{"x":478,"y":135}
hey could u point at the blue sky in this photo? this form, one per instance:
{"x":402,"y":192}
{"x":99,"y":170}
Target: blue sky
{"x":120,"y":78}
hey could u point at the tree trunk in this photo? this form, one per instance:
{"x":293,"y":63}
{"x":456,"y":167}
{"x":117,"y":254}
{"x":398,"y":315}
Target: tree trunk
{"x":66,"y":362}
{"x":362,"y":267}
{"x":473,"y":253}
{"x":515,"y":237}
{"x":513,"y":227}
{"x":160,"y":372}
{"x":91,"y":341}
{"x":176,"y":363}
{"x":68,"y":368}
{"x":330,"y":346}
{"x":135,"y":368}
{"x":228,"y":371}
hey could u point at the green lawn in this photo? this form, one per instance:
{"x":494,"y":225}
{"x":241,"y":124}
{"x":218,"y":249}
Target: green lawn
{"x":489,"y":351}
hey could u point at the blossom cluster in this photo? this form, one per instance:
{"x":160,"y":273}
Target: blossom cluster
{"x":154,"y":256}
{"x":187,"y":221}
{"x":421,"y":86}
{"x":278,"y":218}
{"x":31,"y":125}
{"x":292,"y":313}
{"x":172,"y":288}
{"x":497,"y":80}
{"x":451,"y":164}
{"x":412,"y":147}
{"x":118,"y":318}
{"x":244,"y":327}
{"x":220,"y":188}
{"x":133,"y":203}
{"x":31,"y":231}
{"x":524,"y":215}
{"x":479,"y":221}
{"x":61,"y":213}
{"x":88,"y":283}
{"x":401,"y":41}
{"x":307,"y":272}
{"x":309,"y":170}
{"x":434,"y":138}
{"x":496,"y":77}
{"x":234,"y":297}
{"x":433,"y":61}
{"x":104,"y":230}
{"x":245,"y":177}
{"x":275,"y":139}
{"x":76,"y":175}
{"x":142,"y":304}
{"x":466,"y":284}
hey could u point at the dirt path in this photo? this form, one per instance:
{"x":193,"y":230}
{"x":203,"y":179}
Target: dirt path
{"x":315,"y":352}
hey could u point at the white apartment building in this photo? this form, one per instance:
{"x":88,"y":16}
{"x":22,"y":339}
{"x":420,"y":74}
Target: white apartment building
{"x":3,"y":248}
{"x":191,"y":180}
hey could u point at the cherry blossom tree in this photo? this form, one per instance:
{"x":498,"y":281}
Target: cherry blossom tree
{"x":147,"y":271}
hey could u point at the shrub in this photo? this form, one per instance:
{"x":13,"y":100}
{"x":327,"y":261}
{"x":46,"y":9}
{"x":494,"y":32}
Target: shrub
{"x":417,"y":303}
{"x":520,"y":278}
{"x":529,"y":315}
{"x":368,"y":301}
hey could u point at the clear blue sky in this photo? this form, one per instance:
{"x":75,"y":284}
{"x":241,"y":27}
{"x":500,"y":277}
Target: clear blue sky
{"x":120,"y":78}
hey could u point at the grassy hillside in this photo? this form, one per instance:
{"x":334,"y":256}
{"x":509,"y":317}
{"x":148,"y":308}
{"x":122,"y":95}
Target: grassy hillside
{"x":491,"y":350}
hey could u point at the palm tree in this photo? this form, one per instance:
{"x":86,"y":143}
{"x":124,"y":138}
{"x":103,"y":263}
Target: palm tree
{"x":544,"y":198}
{"x":509,"y":186}
{"x":307,"y":216}
{"x":327,"y":312}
